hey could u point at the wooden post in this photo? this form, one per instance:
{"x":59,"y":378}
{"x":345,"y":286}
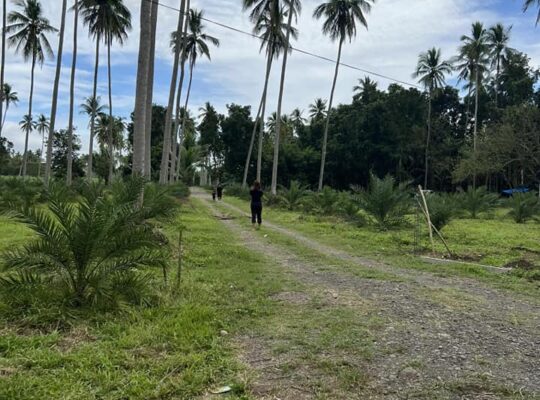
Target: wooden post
{"x":426,"y":211}
{"x":179,"y":270}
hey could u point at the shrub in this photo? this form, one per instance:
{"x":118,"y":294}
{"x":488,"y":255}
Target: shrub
{"x":237,"y":190}
{"x":20,"y":192}
{"x":291,"y":198}
{"x":524,"y":207}
{"x":324,"y":202}
{"x":349,"y":208}
{"x":179,"y":190}
{"x":478,"y":201}
{"x":92,"y":250}
{"x":442,"y":209}
{"x":385,"y":200}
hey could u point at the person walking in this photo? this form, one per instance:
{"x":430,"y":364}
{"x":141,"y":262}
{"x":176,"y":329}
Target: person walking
{"x":256,"y":204}
{"x":219,"y":191}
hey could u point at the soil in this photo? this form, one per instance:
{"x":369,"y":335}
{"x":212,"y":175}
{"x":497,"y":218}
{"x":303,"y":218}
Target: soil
{"x":439,"y":338}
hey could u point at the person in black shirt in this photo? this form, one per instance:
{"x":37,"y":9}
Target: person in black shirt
{"x":256,"y":204}
{"x":219,"y":191}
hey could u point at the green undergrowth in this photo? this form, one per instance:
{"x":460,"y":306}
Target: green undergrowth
{"x":172,"y":350}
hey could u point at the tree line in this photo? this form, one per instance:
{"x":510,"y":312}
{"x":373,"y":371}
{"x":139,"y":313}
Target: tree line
{"x":434,"y":137}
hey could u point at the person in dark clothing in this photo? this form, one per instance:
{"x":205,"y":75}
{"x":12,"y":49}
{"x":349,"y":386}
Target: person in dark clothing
{"x":214,"y":193}
{"x":256,"y":204}
{"x":219,"y":191}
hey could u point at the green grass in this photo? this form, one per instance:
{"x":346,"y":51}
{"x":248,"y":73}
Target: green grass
{"x":486,"y":241}
{"x":173,"y":350}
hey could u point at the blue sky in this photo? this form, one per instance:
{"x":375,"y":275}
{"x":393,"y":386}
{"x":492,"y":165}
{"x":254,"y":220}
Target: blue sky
{"x":398,"y":31}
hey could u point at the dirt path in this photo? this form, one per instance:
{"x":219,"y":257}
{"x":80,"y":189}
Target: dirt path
{"x":432,"y":342}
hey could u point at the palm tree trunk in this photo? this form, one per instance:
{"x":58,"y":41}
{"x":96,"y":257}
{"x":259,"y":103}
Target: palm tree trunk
{"x":280,"y":101}
{"x":260,"y":118}
{"x":25,"y":154}
{"x":263,"y":111}
{"x":110,"y":141}
{"x":69,"y":176}
{"x":150,"y":95}
{"x":428,"y":141}
{"x":252,"y":143}
{"x":89,"y":173}
{"x":475,"y":133}
{"x":55,"y":94}
{"x":41,"y":154}
{"x":184,"y":119}
{"x":325,"y":138}
{"x":166,"y":152}
{"x":497,"y":80}
{"x":3,"y":66}
{"x":139,"y":123}
{"x":4,"y":118}
{"x":175,"y":148}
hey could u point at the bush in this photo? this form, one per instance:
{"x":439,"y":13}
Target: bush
{"x":20,"y":192}
{"x":524,"y":207}
{"x":385,"y":200}
{"x":442,"y":209}
{"x":179,"y":190}
{"x":236,"y":190}
{"x":324,"y":202}
{"x":478,"y":201}
{"x":291,"y":198}
{"x":91,"y":251}
{"x":349,"y":208}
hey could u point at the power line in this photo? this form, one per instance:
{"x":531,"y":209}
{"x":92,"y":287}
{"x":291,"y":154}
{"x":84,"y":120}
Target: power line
{"x":298,"y":50}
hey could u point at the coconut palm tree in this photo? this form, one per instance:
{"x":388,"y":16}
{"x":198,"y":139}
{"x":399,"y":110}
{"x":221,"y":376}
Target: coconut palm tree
{"x":143,"y":79}
{"x":3,"y":63}
{"x":474,"y":51}
{"x":54,"y":103}
{"x":107,"y":21}
{"x":29,"y":30}
{"x":93,"y":108}
{"x":317,"y":110}
{"x":166,"y":152}
{"x":498,"y":37}
{"x":272,"y":31}
{"x":365,"y":89}
{"x":293,"y":9}
{"x":42,"y":125}
{"x":341,"y":17}
{"x":150,"y":93}
{"x":9,"y":97}
{"x":431,"y":71}
{"x":69,"y":173}
{"x":297,"y":119}
{"x":530,"y":3}
{"x":196,"y":43}
{"x":104,"y":127}
{"x":27,"y":125}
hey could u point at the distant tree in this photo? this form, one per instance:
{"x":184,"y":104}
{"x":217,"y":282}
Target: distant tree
{"x":42,"y":125}
{"x":341,"y":17}
{"x":29,"y":29}
{"x":366,"y":90}
{"x":60,"y":155}
{"x":498,"y":37}
{"x":431,"y":71}
{"x":317,"y":110}
{"x":9,"y":97}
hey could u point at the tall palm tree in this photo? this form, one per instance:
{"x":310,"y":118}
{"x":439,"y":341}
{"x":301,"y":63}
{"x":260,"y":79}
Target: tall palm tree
{"x":54,"y":103}
{"x":93,"y":108}
{"x":69,"y":174}
{"x":196,"y":43}
{"x":293,"y":9}
{"x":3,"y":63}
{"x":29,"y":30}
{"x":475,"y":51}
{"x":431,"y":71}
{"x":143,"y":66}
{"x":297,"y":119}
{"x":269,"y":26}
{"x":341,"y":17}
{"x":498,"y":37}
{"x":9,"y":97}
{"x":27,"y":125}
{"x":104,"y":125}
{"x":42,"y":125}
{"x":317,"y":110}
{"x":166,"y":153}
{"x":530,"y":3}
{"x":150,"y":94}
{"x":107,"y":21}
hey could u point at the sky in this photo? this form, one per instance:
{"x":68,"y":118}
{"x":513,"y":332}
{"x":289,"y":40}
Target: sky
{"x":398,"y":31}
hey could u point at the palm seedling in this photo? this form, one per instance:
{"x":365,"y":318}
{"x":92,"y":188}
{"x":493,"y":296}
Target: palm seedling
{"x":292,"y":197}
{"x":524,"y":207}
{"x":478,"y":201}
